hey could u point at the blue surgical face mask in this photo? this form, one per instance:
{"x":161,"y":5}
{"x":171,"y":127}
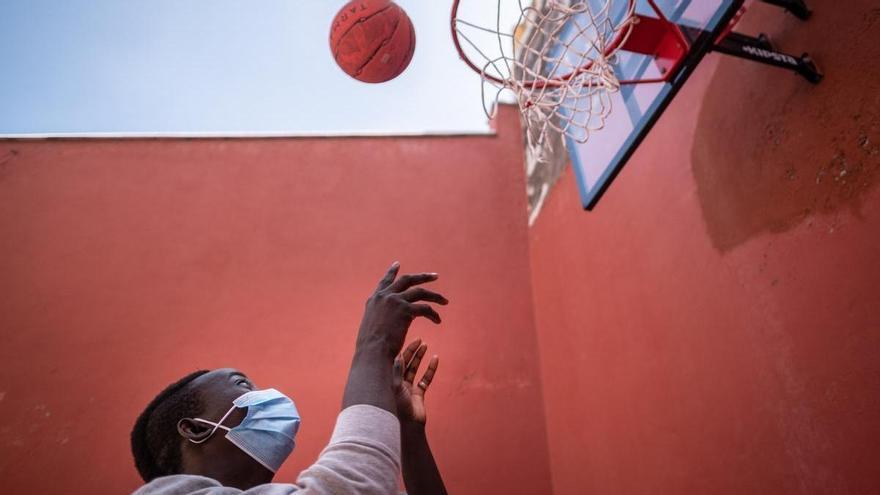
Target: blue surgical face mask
{"x":268,"y":430}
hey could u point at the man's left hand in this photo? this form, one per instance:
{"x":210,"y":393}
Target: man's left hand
{"x":410,"y":394}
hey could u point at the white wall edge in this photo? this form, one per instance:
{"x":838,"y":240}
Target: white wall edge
{"x":242,"y":135}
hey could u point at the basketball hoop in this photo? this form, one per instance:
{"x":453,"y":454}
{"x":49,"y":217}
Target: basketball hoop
{"x":554,"y":56}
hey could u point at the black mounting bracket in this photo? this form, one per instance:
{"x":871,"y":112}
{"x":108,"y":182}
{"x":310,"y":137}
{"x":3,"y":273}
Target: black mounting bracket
{"x":761,"y":50}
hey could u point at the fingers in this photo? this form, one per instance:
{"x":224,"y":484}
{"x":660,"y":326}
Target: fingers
{"x":406,"y":281}
{"x":409,"y":351}
{"x":428,"y":377}
{"x":405,"y":286}
{"x":412,"y":366}
{"x":397,"y":375}
{"x":426,"y":311}
{"x":421,"y":294}
{"x":390,"y":275}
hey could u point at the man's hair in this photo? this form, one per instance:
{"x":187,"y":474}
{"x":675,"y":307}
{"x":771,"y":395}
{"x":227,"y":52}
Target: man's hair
{"x":155,"y":442}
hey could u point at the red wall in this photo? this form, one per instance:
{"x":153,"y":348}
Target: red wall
{"x":713,"y":326}
{"x":126,"y":264}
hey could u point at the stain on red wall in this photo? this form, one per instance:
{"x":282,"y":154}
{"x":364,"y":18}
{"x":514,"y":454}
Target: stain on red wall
{"x":125,"y":264}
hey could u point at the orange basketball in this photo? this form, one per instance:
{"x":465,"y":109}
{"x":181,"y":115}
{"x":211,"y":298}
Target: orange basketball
{"x":372,"y":40}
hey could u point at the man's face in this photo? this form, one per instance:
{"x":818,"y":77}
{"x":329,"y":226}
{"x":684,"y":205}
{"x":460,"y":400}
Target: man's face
{"x":218,"y":389}
{"x":215,"y":456}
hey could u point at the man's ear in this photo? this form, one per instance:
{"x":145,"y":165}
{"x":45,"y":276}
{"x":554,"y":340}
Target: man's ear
{"x":193,"y":430}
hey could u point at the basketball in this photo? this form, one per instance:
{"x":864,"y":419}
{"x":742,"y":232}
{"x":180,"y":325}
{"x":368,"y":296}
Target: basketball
{"x":373,"y":41}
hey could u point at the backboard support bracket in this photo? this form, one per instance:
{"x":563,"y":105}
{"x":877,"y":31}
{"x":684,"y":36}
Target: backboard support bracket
{"x":760,"y":49}
{"x":662,"y":40}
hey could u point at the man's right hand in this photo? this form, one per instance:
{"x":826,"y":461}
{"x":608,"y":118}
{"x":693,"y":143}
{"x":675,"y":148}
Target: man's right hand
{"x":390,"y":310}
{"x":396,"y":302}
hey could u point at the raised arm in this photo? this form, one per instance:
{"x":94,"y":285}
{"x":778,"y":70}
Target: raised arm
{"x":390,"y":310}
{"x":363,"y":456}
{"x":420,"y":473}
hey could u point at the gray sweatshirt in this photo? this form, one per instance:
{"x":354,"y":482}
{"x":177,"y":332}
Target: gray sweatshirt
{"x":363,"y":457}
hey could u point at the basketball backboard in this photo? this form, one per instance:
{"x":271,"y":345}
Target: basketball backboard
{"x":637,"y":107}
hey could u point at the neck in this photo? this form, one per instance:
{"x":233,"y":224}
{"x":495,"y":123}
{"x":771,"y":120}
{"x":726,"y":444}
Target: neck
{"x":236,"y":471}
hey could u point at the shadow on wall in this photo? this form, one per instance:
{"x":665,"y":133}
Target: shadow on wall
{"x":771,"y":149}
{"x":6,"y":156}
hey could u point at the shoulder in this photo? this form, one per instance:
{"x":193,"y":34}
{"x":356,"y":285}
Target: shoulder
{"x":188,"y":484}
{"x":184,"y":484}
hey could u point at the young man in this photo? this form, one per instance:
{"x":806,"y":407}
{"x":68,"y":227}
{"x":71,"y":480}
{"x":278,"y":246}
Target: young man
{"x":213,"y":433}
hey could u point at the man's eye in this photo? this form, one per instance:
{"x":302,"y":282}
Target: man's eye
{"x":244,"y":383}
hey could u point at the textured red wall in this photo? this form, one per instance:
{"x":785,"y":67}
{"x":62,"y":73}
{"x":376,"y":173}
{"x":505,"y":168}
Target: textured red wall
{"x":125,"y":264}
{"x":713,"y":326}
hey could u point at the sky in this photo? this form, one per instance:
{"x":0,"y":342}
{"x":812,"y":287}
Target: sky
{"x":218,"y":66}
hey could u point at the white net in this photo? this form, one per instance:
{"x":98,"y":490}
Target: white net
{"x":554,"y":56}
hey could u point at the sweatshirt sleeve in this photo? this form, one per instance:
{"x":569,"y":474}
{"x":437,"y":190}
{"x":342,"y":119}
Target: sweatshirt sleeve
{"x":363,"y":456}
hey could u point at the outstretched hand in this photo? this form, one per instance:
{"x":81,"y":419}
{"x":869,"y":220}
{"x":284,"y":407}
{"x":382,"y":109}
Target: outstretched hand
{"x":410,"y":394}
{"x":389,"y":312}
{"x":393,"y":306}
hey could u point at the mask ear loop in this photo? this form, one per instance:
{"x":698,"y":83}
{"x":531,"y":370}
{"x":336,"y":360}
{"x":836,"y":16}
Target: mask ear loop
{"x":217,"y":425}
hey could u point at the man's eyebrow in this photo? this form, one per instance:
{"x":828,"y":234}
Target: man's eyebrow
{"x":239,"y":374}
